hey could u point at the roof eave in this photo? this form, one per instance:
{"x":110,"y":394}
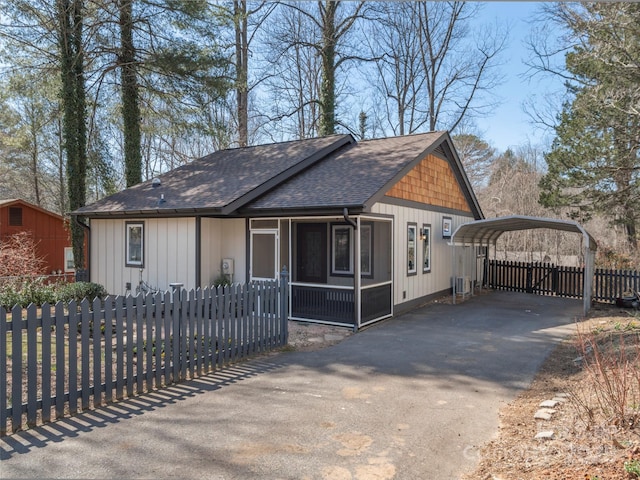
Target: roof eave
{"x":310,"y":210}
{"x":148,"y":213}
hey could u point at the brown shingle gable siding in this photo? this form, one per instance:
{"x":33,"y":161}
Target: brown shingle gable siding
{"x":431,"y":182}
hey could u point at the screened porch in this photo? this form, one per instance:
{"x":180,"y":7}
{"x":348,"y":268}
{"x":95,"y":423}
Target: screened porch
{"x":327,"y":285}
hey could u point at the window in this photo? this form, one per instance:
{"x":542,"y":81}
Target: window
{"x":447,"y":227}
{"x":69,"y":264}
{"x":341,"y":252}
{"x":15,"y":216}
{"x":134,"y":244}
{"x":425,"y":236}
{"x":412,"y":230}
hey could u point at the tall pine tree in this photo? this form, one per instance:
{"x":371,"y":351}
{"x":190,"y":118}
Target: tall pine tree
{"x":594,"y":162}
{"x":70,"y":31}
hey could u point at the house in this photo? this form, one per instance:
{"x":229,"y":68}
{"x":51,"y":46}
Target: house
{"x":49,"y":231}
{"x":313,"y":206}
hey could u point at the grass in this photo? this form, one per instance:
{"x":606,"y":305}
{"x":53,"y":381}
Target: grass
{"x":9,"y":346}
{"x":632,"y":467}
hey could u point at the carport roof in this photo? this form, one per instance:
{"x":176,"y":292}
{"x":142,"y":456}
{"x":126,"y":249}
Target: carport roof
{"x":490,"y":229}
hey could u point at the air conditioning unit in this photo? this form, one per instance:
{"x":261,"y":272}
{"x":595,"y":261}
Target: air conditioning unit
{"x":463,"y":285}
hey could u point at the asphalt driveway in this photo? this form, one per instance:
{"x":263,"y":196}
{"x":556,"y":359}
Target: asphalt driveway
{"x":411,"y":398}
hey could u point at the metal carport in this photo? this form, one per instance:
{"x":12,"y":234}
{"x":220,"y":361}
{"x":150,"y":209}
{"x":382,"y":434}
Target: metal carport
{"x":486,"y":232}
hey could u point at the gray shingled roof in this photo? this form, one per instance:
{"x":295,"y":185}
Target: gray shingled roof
{"x":218,"y":183}
{"x":321,"y":174}
{"x":351,"y":177}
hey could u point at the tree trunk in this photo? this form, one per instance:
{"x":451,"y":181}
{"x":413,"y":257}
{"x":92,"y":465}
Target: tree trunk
{"x":34,"y":158}
{"x":130,"y":102}
{"x":327,"y":95}
{"x":70,"y":16}
{"x":242,"y":51}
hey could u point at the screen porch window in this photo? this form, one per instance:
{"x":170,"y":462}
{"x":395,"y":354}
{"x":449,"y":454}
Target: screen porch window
{"x":341,"y":259}
{"x":342,"y":249}
{"x":134,"y":244}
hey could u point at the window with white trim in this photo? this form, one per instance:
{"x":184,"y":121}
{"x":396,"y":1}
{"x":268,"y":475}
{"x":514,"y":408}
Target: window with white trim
{"x":341,"y":250}
{"x":134,"y":244}
{"x":412,"y":231}
{"x":425,"y":236}
{"x":69,"y":264}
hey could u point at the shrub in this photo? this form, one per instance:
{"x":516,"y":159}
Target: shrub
{"x":79,"y":290}
{"x":18,"y":256}
{"x":35,"y":291}
{"x":223,"y":280}
{"x":611,"y":361}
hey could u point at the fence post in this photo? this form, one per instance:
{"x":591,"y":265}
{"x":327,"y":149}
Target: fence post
{"x":284,"y":304}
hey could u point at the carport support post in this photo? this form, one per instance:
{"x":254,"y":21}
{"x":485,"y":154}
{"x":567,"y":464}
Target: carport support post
{"x":357,"y":281}
{"x":587,"y":282}
{"x":284,"y":305}
{"x":454,"y":271}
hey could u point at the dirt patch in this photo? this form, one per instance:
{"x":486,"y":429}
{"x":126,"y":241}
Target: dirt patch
{"x":306,"y":337}
{"x":577,"y":448}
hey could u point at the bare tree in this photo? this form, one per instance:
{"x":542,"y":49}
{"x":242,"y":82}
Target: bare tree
{"x":314,"y":40}
{"x":247,"y":22}
{"x":393,"y":42}
{"x":432,"y":71}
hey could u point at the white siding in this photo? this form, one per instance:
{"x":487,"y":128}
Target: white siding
{"x":169,"y":254}
{"x":210,"y":246}
{"x":412,"y":287}
{"x":223,"y":238}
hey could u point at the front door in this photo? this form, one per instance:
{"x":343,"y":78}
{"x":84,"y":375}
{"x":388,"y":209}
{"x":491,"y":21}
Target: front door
{"x":311,"y":258}
{"x":264,"y":254}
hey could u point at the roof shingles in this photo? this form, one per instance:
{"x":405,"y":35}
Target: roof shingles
{"x":212,"y":182}
{"x":350,"y":177}
{"x":322,"y":173}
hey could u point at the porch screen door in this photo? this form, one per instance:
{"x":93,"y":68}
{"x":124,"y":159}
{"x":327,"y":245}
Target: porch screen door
{"x":264,"y":254}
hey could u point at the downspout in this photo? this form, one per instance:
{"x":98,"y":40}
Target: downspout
{"x":88,"y":230}
{"x":350,"y":221}
{"x":356,"y":270}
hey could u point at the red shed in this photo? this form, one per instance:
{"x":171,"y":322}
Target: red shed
{"x":49,"y":231}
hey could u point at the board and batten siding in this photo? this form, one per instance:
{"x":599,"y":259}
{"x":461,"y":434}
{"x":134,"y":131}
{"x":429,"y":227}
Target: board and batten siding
{"x":169,"y":254}
{"x":223,"y":238}
{"x":407,"y":287}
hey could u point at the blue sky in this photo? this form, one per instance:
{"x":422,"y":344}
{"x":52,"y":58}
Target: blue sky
{"x":509,"y":126}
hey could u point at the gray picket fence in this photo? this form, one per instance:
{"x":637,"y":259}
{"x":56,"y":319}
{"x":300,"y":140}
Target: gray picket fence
{"x":59,"y":360}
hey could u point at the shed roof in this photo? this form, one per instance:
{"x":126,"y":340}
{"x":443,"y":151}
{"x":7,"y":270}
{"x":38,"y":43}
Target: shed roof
{"x":490,"y":229}
{"x":9,"y":202}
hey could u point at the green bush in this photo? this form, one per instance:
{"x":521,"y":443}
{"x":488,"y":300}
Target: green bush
{"x":79,"y":290}
{"x":35,"y":291}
